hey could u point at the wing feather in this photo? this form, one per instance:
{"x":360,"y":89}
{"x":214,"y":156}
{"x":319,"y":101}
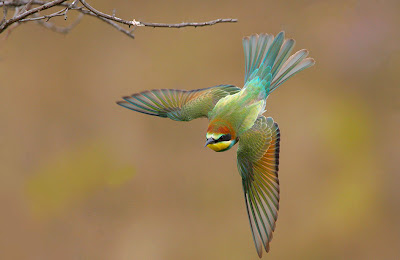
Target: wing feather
{"x":258,"y":160}
{"x":179,"y":105}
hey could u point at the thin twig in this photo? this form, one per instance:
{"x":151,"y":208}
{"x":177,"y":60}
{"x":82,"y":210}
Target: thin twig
{"x":27,"y":6}
{"x":29,"y":12}
{"x":16,"y":11}
{"x":162,"y":25}
{"x":73,"y":4}
{"x":129,"y":33}
{"x":106,"y":16}
{"x":15,"y":3}
{"x":5,"y":11}
{"x":180,"y":25}
{"x":60,"y":29}
{"x":62,"y":12}
{"x":47,"y":17}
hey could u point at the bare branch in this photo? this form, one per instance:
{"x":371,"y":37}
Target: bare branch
{"x":69,"y":7}
{"x":24,"y":13}
{"x":74,"y":3}
{"x":106,"y":16}
{"x":29,"y":12}
{"x":27,"y":6}
{"x":60,"y":29}
{"x":47,"y":17}
{"x":162,"y":25}
{"x":5,"y":11}
{"x":129,"y":33}
{"x":15,"y":3}
{"x":180,"y":25}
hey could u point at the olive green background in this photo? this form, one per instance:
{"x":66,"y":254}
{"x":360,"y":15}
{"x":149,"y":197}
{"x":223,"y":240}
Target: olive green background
{"x":82,"y":178}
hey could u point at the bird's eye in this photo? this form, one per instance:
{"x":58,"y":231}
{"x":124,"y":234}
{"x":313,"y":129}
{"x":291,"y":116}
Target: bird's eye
{"x":226,"y":137}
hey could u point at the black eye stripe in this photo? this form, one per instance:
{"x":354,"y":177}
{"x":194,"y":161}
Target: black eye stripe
{"x":226,"y":137}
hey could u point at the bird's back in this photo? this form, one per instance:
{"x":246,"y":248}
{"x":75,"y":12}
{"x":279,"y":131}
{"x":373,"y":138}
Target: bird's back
{"x":240,"y":110}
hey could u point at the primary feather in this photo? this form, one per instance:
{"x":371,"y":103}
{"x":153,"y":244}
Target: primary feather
{"x":179,"y":105}
{"x":258,"y":161}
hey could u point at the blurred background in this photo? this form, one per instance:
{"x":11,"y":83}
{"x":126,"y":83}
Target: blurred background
{"x":82,"y":178}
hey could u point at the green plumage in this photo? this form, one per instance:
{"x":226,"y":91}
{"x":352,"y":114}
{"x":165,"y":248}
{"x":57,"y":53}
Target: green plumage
{"x":267,"y":66}
{"x":179,"y":105}
{"x":235,"y":115}
{"x":258,"y":160}
{"x":240,"y":109}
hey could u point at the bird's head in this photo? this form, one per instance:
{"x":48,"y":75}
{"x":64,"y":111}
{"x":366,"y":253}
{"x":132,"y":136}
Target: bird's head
{"x":220,"y":136}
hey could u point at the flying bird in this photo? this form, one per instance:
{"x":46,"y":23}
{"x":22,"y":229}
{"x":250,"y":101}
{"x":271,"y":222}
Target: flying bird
{"x":236,"y":116}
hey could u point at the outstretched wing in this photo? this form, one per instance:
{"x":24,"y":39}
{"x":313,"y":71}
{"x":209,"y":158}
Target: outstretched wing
{"x":258,"y":160}
{"x":179,"y":105}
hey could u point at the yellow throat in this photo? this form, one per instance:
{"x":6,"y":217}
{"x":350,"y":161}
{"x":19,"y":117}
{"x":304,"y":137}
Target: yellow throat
{"x":219,"y":146}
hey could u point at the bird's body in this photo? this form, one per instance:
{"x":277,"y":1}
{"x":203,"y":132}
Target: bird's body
{"x":236,"y":115}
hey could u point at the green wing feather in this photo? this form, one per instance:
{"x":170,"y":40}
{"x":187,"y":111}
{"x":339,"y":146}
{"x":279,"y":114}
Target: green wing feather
{"x":258,"y":160}
{"x":179,"y":105}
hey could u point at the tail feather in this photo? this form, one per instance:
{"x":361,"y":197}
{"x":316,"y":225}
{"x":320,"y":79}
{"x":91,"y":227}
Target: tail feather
{"x":267,"y":57}
{"x":286,"y":48}
{"x":273,"y":51}
{"x":255,"y":47}
{"x":288,"y":71}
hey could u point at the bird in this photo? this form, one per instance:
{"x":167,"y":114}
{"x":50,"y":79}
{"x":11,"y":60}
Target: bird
{"x":236,"y":116}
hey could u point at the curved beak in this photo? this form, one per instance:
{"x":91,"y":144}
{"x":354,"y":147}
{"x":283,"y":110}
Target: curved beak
{"x":209,"y":141}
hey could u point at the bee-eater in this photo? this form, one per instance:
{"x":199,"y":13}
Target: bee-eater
{"x":236,"y":116}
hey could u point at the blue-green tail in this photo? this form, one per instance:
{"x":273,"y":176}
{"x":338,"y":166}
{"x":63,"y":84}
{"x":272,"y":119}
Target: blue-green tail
{"x":268,"y":59}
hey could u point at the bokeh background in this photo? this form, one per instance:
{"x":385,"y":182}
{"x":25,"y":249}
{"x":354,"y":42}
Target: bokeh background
{"x":82,"y":178}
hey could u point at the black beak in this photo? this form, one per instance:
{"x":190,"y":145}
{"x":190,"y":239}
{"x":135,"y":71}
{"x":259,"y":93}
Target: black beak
{"x":209,"y":141}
